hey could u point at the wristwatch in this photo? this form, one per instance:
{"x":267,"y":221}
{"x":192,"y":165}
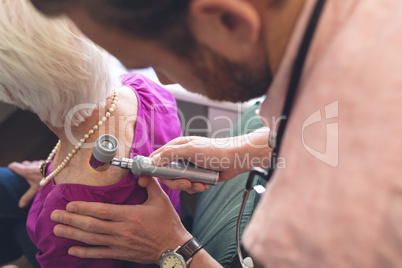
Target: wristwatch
{"x":181,"y":256}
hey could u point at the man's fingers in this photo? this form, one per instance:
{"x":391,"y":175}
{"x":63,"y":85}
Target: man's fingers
{"x":174,"y":153}
{"x":86,"y":223}
{"x":99,"y":210}
{"x":177,"y":185}
{"x":105,"y":253}
{"x":27,"y":198}
{"x":95,"y":253}
{"x":176,"y":141}
{"x":144,"y":180}
{"x":95,"y":239}
{"x":197,"y":187}
{"x":184,"y":185}
{"x":155,"y":190}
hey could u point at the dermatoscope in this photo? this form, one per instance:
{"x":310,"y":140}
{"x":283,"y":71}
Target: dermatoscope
{"x":105,"y":149}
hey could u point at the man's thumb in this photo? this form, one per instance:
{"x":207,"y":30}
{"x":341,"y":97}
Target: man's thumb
{"x":153,"y":188}
{"x":144,"y":180}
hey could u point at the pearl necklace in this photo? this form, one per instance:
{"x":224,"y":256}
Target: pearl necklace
{"x":43,"y":166}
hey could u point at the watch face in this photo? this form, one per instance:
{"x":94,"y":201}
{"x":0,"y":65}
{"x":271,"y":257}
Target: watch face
{"x":172,"y":260}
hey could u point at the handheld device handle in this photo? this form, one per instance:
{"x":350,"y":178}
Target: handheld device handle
{"x":141,"y":165}
{"x":175,"y":170}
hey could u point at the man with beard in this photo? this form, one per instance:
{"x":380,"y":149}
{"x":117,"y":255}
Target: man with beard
{"x":338,"y":201}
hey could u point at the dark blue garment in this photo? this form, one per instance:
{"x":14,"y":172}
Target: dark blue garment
{"x":14,"y":240}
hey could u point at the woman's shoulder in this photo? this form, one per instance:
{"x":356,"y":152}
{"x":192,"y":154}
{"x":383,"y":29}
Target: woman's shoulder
{"x":148,"y":91}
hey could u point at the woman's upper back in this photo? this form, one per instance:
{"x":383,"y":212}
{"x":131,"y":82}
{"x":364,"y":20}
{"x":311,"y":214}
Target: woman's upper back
{"x":155,"y":123}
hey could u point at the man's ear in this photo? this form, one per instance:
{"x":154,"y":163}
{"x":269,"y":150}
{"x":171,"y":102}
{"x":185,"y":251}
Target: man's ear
{"x":229,"y":27}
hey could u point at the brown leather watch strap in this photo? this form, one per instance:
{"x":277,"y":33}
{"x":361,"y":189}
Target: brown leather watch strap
{"x":189,"y":248}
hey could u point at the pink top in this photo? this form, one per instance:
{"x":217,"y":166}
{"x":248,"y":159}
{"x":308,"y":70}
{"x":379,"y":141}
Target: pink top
{"x":157,"y":123}
{"x":336,"y":201}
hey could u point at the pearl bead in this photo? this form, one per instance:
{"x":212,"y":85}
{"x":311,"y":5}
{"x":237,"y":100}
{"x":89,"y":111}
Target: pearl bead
{"x":65,"y":162}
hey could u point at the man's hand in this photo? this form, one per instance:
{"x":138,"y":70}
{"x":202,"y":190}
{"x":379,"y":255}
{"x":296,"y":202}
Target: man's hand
{"x":204,"y":152}
{"x":231,"y":156}
{"x":136,"y":233}
{"x":29,"y":171}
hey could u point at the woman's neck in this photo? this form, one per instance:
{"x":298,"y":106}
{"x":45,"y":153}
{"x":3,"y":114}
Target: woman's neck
{"x":117,"y":125}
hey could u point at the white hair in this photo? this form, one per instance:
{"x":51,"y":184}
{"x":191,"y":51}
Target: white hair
{"x":47,"y":65}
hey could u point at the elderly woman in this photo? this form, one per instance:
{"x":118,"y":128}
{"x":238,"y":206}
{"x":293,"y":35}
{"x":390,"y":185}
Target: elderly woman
{"x":48,"y":67}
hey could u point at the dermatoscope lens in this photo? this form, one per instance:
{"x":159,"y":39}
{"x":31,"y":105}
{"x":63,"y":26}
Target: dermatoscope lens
{"x":104,"y":150}
{"x":107,"y":144}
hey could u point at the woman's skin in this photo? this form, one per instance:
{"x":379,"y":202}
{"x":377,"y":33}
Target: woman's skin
{"x":121,"y":124}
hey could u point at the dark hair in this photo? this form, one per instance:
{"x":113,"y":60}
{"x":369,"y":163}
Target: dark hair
{"x":162,"y":20}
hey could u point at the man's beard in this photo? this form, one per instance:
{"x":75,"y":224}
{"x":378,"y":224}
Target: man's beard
{"x":228,"y":81}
